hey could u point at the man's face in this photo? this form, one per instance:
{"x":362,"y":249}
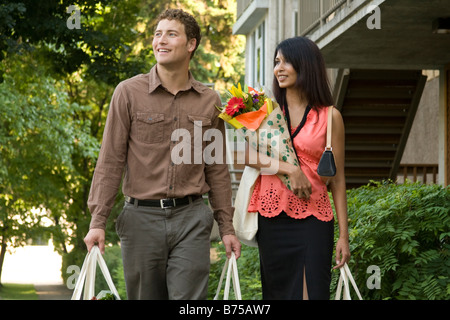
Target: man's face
{"x":170,"y":44}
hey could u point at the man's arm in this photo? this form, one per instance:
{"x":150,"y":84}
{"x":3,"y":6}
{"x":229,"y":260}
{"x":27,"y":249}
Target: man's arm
{"x":220,"y":194}
{"x":109,"y":169}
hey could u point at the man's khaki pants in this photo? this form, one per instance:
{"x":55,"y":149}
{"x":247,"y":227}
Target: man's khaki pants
{"x":165,"y":252}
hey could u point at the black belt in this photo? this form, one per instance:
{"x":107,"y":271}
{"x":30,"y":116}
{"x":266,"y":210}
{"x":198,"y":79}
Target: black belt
{"x":163,"y":203}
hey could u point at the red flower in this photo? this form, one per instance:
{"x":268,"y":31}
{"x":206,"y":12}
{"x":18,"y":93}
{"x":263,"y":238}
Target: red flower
{"x":234,"y":105}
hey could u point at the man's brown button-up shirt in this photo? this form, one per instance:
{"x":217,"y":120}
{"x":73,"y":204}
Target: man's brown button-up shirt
{"x":146,"y":130}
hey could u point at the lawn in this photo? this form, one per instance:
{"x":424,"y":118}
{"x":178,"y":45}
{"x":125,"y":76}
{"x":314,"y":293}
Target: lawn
{"x":11,"y":291}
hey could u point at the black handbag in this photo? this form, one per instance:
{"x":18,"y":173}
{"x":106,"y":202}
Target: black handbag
{"x":327,"y":166}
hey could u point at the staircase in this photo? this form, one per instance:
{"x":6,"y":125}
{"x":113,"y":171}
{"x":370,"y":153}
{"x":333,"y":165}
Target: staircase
{"x":378,"y":108}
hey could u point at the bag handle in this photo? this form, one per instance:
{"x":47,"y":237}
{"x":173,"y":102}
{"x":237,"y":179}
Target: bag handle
{"x":230,"y":268}
{"x":329,"y":128}
{"x":86,"y":277}
{"x":343,"y":282}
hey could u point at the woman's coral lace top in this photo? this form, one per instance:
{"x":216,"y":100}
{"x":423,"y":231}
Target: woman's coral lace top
{"x":270,"y":196}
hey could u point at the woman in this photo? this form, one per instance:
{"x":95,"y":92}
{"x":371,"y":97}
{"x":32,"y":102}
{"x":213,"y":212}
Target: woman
{"x":296,"y":228}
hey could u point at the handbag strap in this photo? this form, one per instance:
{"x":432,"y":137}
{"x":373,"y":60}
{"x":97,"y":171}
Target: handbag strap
{"x":329,"y":128}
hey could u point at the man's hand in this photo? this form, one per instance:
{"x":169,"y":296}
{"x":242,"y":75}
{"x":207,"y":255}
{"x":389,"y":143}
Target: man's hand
{"x":232,"y":243}
{"x":95,"y":236}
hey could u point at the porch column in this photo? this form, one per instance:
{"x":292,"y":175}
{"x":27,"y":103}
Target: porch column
{"x":444,"y":125}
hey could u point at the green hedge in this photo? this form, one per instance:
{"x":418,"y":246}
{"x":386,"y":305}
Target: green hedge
{"x":404,"y":231}
{"x":401,"y":230}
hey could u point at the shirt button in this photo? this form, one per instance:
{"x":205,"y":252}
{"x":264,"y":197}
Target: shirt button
{"x":170,"y":187}
{"x":175,"y":119}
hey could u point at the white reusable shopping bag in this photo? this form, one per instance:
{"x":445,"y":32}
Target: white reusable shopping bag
{"x":230,"y":268}
{"x":343,"y":282}
{"x":87,"y":276}
{"x":246,"y":223}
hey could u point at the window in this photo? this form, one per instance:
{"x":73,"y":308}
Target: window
{"x":257,"y":56}
{"x":295,"y":23}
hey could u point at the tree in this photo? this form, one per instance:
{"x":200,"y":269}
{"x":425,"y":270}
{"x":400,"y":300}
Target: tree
{"x":39,"y":134}
{"x":80,"y":68}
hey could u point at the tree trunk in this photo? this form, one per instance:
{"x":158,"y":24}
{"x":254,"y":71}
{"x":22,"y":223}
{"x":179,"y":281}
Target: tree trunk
{"x":2,"y":258}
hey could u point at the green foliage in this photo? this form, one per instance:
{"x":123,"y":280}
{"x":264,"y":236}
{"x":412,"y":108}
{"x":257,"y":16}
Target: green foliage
{"x":39,"y":135}
{"x":11,"y":291}
{"x":404,"y":230}
{"x":113,"y":258}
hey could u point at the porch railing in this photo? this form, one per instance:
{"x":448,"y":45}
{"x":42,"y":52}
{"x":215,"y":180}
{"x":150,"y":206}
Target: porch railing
{"x":315,"y":13}
{"x":425,"y":173}
{"x":419,"y":172}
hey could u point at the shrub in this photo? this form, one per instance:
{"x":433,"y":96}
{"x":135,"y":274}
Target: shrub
{"x":403,"y":230}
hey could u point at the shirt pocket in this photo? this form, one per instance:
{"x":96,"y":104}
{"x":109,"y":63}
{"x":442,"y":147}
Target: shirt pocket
{"x":199,"y":121}
{"x":197,"y":127}
{"x":150,"y":127}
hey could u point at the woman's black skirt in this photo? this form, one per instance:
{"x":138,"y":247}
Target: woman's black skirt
{"x":289,"y":247}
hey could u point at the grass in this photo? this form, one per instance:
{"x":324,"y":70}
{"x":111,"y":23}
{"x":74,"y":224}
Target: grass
{"x":11,"y":291}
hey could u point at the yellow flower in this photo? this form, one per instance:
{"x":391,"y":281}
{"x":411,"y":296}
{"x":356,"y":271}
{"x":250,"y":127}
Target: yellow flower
{"x":237,"y":92}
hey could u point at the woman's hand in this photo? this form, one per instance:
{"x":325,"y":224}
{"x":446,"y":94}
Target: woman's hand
{"x":300,"y":184}
{"x":342,"y":252}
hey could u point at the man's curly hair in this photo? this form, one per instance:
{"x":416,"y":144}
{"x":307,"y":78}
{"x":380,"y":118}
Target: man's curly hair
{"x":190,"y":24}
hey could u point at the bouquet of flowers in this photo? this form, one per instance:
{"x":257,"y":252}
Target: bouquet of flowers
{"x":262,"y":123}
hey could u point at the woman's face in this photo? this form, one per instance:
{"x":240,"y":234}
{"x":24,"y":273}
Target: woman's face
{"x":284,"y":72}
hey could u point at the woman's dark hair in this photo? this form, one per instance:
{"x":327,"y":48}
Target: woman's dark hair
{"x":312,"y":80}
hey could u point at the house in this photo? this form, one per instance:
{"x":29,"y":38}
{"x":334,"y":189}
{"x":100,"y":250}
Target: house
{"x":389,"y":68}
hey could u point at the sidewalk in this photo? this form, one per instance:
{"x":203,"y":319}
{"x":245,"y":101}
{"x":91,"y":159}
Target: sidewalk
{"x":53,"y":292}
{"x":37,"y":265}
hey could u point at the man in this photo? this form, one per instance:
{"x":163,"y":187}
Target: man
{"x":165,"y":226}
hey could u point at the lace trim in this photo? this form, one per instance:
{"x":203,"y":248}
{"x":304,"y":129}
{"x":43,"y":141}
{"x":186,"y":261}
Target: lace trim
{"x":270,"y":204}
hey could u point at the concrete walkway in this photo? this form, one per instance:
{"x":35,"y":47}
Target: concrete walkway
{"x":53,"y":292}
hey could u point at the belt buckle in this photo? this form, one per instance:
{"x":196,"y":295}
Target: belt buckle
{"x":163,"y":206}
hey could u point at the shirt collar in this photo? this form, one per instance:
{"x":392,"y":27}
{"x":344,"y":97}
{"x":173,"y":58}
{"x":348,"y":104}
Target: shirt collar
{"x":154,"y":82}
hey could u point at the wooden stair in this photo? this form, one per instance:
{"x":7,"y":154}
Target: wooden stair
{"x":378,"y":108}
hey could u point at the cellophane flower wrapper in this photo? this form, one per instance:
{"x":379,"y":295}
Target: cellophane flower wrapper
{"x":273,"y":139}
{"x":265,"y":130}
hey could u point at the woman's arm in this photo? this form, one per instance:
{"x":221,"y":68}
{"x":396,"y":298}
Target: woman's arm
{"x":299,"y":182}
{"x":338,"y":189}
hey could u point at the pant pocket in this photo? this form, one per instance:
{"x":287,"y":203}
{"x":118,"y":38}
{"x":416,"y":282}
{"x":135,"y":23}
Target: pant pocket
{"x":208,"y":215}
{"x":120,"y":222}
